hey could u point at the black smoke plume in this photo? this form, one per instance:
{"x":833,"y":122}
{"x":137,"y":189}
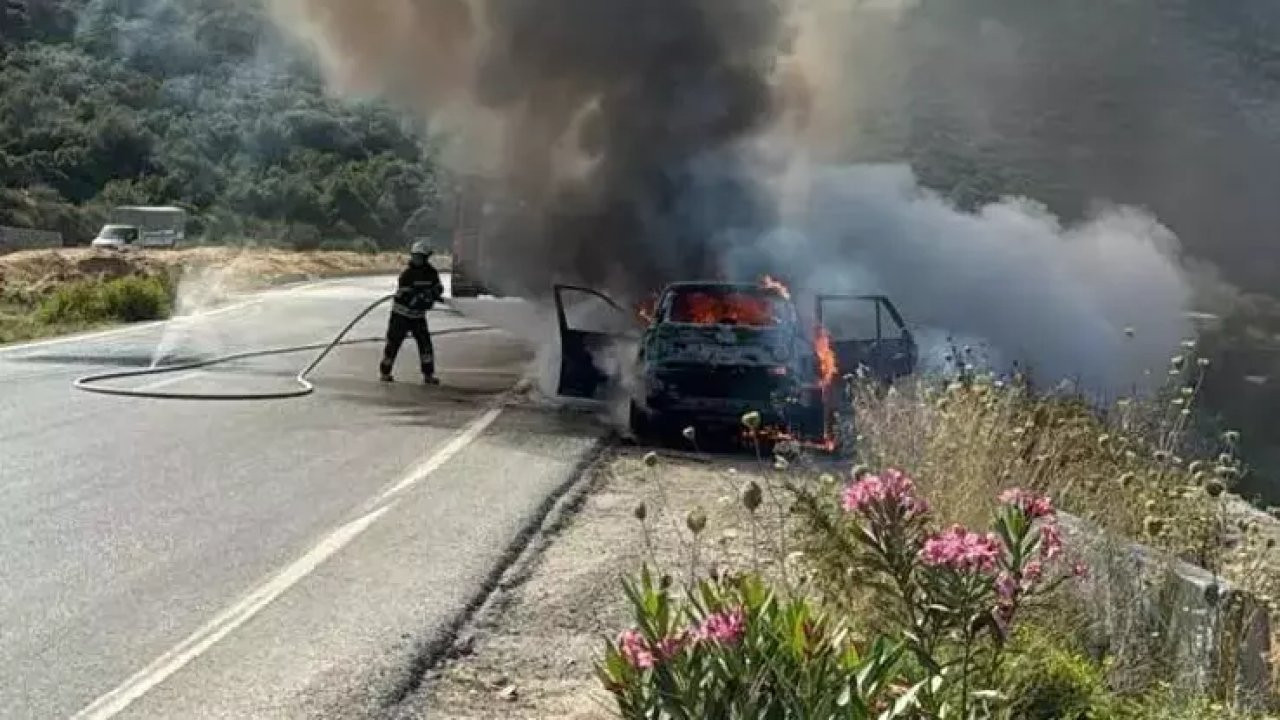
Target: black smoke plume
{"x":652,"y":140}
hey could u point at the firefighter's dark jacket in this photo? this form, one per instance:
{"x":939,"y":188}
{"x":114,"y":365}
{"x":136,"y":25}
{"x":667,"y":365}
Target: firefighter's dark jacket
{"x":418,"y":291}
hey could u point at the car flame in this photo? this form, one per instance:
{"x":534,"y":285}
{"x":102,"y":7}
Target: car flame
{"x":776,"y":286}
{"x":827,"y":366}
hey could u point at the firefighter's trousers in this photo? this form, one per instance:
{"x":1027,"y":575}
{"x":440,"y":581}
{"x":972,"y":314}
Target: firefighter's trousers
{"x":398,"y":328}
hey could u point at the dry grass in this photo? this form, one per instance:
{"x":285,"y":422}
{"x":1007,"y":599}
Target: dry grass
{"x":38,"y":270}
{"x":1129,"y":469}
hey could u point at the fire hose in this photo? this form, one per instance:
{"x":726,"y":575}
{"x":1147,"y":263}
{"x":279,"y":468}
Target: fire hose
{"x":89,"y":383}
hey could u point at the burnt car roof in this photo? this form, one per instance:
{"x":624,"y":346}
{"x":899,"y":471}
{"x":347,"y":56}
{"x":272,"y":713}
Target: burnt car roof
{"x":714,"y":285}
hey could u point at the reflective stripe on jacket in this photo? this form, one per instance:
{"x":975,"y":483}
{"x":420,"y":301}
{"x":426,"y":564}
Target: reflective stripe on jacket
{"x":417,"y":292}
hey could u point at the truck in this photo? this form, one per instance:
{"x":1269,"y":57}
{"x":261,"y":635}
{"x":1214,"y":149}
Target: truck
{"x":139,"y":226}
{"x":476,"y":212}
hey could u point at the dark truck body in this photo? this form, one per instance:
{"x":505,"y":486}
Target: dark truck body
{"x":481,"y":208}
{"x":467,"y":247}
{"x":710,"y":371}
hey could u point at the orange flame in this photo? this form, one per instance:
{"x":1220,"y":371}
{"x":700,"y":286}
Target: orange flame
{"x":768,"y":282}
{"x":646,"y":309}
{"x":826,"y":357}
{"x":770,"y":434}
{"x":729,"y":308}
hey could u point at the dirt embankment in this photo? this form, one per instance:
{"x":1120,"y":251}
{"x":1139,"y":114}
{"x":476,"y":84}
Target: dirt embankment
{"x":39,"y":271}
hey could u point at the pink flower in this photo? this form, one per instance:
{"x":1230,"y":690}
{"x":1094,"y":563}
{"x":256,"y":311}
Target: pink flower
{"x":1080,"y":570}
{"x":960,"y":549}
{"x":726,"y":627}
{"x":1032,"y":573}
{"x":635,"y":650}
{"x":892,"y":488}
{"x":672,"y":645}
{"x":1050,"y":541}
{"x":1033,"y":505}
{"x":1006,"y":587}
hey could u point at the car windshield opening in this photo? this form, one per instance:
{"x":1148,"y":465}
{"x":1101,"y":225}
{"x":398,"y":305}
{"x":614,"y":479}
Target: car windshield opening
{"x":117,"y":233}
{"x":728,"y":306}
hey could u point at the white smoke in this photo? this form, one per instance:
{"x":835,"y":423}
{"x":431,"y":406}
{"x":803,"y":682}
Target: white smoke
{"x":1057,"y":299}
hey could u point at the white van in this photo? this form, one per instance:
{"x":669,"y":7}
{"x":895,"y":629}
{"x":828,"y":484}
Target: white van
{"x":148,"y":227}
{"x":116,"y":237}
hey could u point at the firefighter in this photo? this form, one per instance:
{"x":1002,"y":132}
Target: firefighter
{"x":418,"y":290}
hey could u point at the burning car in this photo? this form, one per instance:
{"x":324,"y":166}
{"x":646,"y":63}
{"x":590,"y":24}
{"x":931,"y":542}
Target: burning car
{"x":708,"y":352}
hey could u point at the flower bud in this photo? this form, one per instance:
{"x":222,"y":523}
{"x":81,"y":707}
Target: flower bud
{"x":1153,"y":526}
{"x":641,"y":511}
{"x":696,"y":521}
{"x":752,"y":495}
{"x":1214,"y":488}
{"x":650,"y":459}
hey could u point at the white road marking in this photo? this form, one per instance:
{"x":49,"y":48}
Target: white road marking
{"x":114,"y":702}
{"x":145,"y":680}
{"x":434,"y":462}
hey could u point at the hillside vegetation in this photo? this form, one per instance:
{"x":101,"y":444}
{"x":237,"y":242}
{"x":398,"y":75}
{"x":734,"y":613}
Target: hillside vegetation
{"x":194,"y":103}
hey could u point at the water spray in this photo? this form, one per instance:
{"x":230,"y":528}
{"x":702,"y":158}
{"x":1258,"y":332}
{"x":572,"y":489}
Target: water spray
{"x":90,"y":383}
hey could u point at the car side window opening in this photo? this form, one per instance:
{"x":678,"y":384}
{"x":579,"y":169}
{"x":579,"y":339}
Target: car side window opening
{"x":861,"y":319}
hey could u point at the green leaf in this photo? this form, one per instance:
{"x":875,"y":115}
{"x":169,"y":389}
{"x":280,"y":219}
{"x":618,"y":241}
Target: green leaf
{"x":907,"y":703}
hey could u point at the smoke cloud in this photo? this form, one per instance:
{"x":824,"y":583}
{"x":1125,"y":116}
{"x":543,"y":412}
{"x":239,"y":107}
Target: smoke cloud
{"x":654,"y":140}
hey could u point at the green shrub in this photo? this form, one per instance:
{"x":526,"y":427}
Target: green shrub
{"x":126,"y":299}
{"x":75,"y":302}
{"x":732,"y":648}
{"x":135,"y":298}
{"x":1047,"y":681}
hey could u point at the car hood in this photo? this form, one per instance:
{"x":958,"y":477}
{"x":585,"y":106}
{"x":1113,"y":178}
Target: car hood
{"x":720,"y":345}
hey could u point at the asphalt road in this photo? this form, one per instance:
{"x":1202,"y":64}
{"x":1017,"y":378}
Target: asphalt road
{"x":291,"y":558}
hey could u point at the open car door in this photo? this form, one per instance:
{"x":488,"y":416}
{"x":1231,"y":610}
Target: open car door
{"x":868,"y":332}
{"x":589,"y":323}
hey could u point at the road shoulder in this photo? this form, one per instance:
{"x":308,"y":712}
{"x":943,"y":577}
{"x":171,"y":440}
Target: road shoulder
{"x":530,"y":650}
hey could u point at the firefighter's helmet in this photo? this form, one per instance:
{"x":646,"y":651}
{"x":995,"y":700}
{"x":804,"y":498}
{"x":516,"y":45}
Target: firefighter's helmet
{"x":422,"y":247}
